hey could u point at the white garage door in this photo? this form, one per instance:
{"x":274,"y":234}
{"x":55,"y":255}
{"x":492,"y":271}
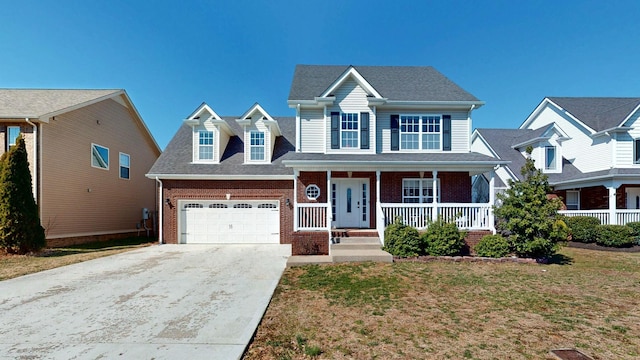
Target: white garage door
{"x":229,"y":222}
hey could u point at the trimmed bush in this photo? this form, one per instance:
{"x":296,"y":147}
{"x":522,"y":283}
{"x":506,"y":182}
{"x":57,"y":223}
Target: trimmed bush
{"x":614,"y":235}
{"x":442,"y":239}
{"x":635,"y":228}
{"x":583,"y":228}
{"x":402,"y":240}
{"x":494,"y":246}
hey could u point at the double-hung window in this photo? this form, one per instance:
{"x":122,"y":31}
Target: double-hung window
{"x":205,"y":145}
{"x":12,"y":136}
{"x":420,"y":132}
{"x":418,"y":191}
{"x":349,"y":130}
{"x":125,"y":165}
{"x":256,"y":139}
{"x":550,"y":158}
{"x":573,"y":200}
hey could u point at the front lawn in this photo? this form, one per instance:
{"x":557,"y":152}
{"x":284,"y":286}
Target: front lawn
{"x":17,"y":265}
{"x":446,"y":310}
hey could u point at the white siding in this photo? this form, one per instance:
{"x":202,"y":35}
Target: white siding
{"x":590,"y":154}
{"x":312,"y":131}
{"x":460,"y":131}
{"x":624,"y":146}
{"x":351,"y":98}
{"x":481,"y":147}
{"x":217,"y":142}
{"x":259,"y":125}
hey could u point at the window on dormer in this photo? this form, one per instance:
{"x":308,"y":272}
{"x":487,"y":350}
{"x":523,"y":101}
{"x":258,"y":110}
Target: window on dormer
{"x":349,"y":130}
{"x":205,"y":145}
{"x":636,"y":151}
{"x":550,"y":158}
{"x":420,"y":132}
{"x":256,"y":145}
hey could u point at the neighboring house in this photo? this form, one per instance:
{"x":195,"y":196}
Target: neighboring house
{"x":367,"y":144}
{"x":88,"y":152}
{"x":588,"y":146}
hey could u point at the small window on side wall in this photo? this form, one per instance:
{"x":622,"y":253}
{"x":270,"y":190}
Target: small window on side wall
{"x":12,"y":136}
{"x":124,"y":166}
{"x":573,"y":200}
{"x":99,"y":156}
{"x":636,"y":151}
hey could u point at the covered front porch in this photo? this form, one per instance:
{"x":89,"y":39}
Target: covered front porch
{"x":614,"y":202}
{"x":337,"y":199}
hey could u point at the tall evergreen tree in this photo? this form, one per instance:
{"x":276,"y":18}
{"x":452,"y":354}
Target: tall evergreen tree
{"x":529,"y":215}
{"x":20,"y":228}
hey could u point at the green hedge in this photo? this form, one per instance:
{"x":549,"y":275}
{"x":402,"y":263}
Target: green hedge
{"x":583,"y":228}
{"x":635,"y":228}
{"x":442,"y":239}
{"x":614,"y":235}
{"x":494,"y":246}
{"x":402,"y":240}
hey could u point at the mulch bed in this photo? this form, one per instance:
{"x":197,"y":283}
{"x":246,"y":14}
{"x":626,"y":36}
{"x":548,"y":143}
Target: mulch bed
{"x":594,"y":246}
{"x":463,"y":259}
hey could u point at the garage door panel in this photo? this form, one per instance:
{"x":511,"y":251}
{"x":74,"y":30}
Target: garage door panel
{"x":217,"y":222}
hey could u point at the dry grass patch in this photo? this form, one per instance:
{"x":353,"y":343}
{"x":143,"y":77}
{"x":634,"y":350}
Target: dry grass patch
{"x":445,"y":310}
{"x":17,"y":265}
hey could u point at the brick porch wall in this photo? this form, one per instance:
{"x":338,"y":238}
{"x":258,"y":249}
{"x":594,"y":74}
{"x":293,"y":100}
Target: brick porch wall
{"x":217,"y":189}
{"x":597,"y":197}
{"x":473,"y":238}
{"x":310,"y":243}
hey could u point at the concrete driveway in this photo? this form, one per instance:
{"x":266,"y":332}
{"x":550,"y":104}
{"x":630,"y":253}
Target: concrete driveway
{"x":160,"y":302}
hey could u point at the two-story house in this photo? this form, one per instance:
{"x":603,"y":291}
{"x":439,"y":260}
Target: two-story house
{"x":367,"y":144}
{"x":589,"y":147}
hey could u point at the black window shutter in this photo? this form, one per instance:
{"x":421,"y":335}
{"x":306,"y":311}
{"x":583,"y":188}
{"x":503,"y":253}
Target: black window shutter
{"x":395,"y":132}
{"x":364,"y":130}
{"x":446,"y":132}
{"x":335,"y":130}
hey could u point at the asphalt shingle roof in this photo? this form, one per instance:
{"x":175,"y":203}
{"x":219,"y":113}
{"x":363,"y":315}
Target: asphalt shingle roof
{"x":33,"y":103}
{"x":599,"y":113}
{"x":403,"y":83}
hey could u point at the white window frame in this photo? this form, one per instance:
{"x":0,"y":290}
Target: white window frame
{"x":423,"y":185}
{"x":347,"y":119}
{"x":94,"y":147}
{"x":572,"y":206}
{"x":127,"y":166}
{"x":15,"y":140}
{"x":422,"y":132}
{"x":312,"y":191}
{"x":202,"y":146}
{"x":554,"y":165}
{"x":260,"y":135}
{"x":636,"y":151}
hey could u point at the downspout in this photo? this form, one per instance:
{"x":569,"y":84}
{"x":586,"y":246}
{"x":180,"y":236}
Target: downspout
{"x":161,"y":205}
{"x":35,"y":163}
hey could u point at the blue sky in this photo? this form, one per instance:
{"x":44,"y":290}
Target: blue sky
{"x":171,"y":56}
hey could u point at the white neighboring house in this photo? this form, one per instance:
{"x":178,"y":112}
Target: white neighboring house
{"x":588,"y":146}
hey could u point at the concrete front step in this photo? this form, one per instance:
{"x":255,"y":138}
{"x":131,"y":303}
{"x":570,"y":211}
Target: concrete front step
{"x":299,"y":260}
{"x":357,"y":240}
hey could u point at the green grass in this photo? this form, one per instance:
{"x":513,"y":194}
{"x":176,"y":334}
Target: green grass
{"x":586,"y":299}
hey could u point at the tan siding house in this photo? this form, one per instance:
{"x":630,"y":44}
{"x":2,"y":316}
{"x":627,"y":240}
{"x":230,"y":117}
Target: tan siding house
{"x":88,"y":161}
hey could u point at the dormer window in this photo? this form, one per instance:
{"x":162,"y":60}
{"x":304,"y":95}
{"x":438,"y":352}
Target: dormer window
{"x":205,"y":145}
{"x":256,"y":145}
{"x":550,"y":158}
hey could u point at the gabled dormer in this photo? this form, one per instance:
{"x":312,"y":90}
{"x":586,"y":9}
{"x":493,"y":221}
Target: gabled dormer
{"x":260,"y":131}
{"x":547,"y":147}
{"x":210,"y":135}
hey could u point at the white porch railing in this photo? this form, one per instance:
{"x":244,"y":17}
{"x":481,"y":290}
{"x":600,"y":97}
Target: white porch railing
{"x":312,"y":216}
{"x":466,"y":216}
{"x":622,"y":216}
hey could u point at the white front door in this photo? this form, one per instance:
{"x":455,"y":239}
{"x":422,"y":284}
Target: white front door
{"x":633,"y":198}
{"x":350,"y":198}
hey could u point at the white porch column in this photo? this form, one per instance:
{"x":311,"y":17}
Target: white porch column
{"x":613,"y":219}
{"x":434,"y":209}
{"x":296,"y":173}
{"x":492,"y":200}
{"x":329,"y":201}
{"x":378,"y":214}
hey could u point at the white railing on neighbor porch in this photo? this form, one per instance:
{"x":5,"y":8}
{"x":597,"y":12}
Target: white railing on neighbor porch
{"x":312,"y":216}
{"x":622,"y":216}
{"x":466,"y":216}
